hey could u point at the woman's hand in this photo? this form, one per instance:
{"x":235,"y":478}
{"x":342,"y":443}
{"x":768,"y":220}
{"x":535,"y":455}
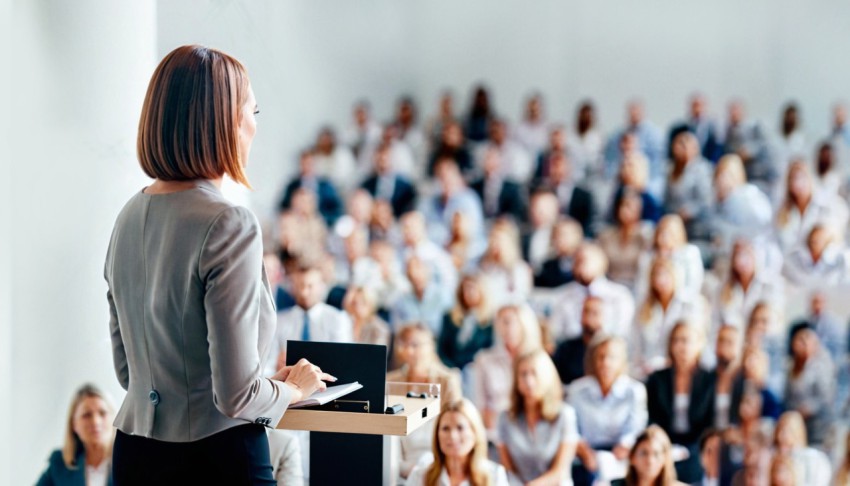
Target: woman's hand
{"x":304,"y":378}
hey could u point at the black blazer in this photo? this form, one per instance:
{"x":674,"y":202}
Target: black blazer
{"x":455,"y":356}
{"x":58,"y":474}
{"x":404,"y":194}
{"x":659,"y":392}
{"x":512,"y":200}
{"x":552,"y":275}
{"x":327,"y":199}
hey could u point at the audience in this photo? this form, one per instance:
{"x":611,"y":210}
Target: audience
{"x":86,"y":454}
{"x":537,"y":436}
{"x":736,"y":248}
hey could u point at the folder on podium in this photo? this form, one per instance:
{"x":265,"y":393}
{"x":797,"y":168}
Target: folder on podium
{"x":347,"y":436}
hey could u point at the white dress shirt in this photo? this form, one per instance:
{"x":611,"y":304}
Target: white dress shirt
{"x":516,"y":162}
{"x":823,"y":208}
{"x":617,"y":418}
{"x":340,"y":167}
{"x":832,"y":268}
{"x":496,"y":471}
{"x":533,"y":136}
{"x":539,"y":247}
{"x":327,"y":323}
{"x":565,"y":321}
{"x":649,"y":337}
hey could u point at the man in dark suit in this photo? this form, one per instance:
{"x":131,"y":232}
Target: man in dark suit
{"x":327,"y":198}
{"x":573,"y":201}
{"x":567,"y":236}
{"x":385,"y":184}
{"x":499,"y":196}
{"x":569,"y":355}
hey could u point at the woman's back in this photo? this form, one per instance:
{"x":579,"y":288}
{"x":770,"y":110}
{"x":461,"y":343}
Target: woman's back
{"x":185,"y":278}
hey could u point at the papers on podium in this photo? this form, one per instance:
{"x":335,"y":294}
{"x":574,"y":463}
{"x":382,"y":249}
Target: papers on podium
{"x":331,"y":393}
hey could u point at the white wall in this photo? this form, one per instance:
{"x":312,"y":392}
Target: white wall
{"x":81,"y":69}
{"x":311,"y":60}
{"x":5,"y":263}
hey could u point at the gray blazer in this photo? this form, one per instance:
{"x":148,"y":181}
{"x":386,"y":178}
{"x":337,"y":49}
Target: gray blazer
{"x":191,"y":315}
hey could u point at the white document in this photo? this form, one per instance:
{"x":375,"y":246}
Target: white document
{"x":331,"y":393}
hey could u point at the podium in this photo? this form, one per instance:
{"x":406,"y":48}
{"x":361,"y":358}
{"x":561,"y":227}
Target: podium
{"x":349,"y":445}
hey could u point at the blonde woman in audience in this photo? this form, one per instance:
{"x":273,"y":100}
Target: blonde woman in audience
{"x":86,"y":454}
{"x":651,"y":460}
{"x":468,"y":327}
{"x":537,"y":436}
{"x":727,"y":352}
{"x":803,"y":207}
{"x":610,"y":407}
{"x":665,"y":304}
{"x":366,"y":327}
{"x":517,"y":332}
{"x":670,"y":241}
{"x":741,"y":209}
{"x":507,"y":274}
{"x":463,"y":249}
{"x":415,"y":352}
{"x":810,"y":386}
{"x":460,"y":452}
{"x":626,"y":240}
{"x":745,"y":286}
{"x":782,"y":472}
{"x":335,"y":160}
{"x":822,"y":262}
{"x":811,"y":467}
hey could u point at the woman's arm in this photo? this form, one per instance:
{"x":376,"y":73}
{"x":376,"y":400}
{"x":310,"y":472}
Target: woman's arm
{"x":230,"y":268}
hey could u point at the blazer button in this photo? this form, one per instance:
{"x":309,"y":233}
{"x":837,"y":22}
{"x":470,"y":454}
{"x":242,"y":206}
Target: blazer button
{"x":154,"y":396}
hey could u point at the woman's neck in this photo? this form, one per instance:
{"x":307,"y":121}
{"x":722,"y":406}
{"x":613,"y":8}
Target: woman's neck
{"x":532,"y":410}
{"x":419,"y":371}
{"x":745,"y":281}
{"x":664,"y":299}
{"x":627,"y":230}
{"x":95,"y":454}
{"x":802,"y":202}
{"x":457,"y":468}
{"x":606,"y":385}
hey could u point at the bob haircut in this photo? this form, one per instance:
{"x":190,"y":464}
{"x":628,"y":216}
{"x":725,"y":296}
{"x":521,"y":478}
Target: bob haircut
{"x":189,"y":127}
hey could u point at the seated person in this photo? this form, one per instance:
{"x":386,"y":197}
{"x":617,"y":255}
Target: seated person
{"x":681,"y":397}
{"x":516,"y":161}
{"x":334,"y":161}
{"x":468,"y":327}
{"x":452,"y":145}
{"x":822,"y":262}
{"x":763,"y":332}
{"x":416,"y":356}
{"x":517,"y":332}
{"x":386,"y":185}
{"x":573,"y":200}
{"x":670,"y":241}
{"x":634,"y":175}
{"x":558,"y":143}
{"x":300,"y":227}
{"x":589,"y":270}
{"x":499,"y":195}
{"x":507,"y":274}
{"x":810,"y":466}
{"x":537,"y":436}
{"x":423,"y":302}
{"x":86,"y":455}
{"x":415,"y":241}
{"x":569,"y":356}
{"x":740,"y":209}
{"x":460,"y":451}
{"x":651,"y":460}
{"x":285,"y":456}
{"x":688,"y":192}
{"x":310,"y":319}
{"x":710,"y":445}
{"x":567,"y":236}
{"x":810,"y":386}
{"x":665,"y":304}
{"x":610,"y":406}
{"x":361,"y":307}
{"x":327,"y":200}
{"x":537,"y":236}
{"x":727,"y":351}
{"x":626,"y":240}
{"x":453,"y":196}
